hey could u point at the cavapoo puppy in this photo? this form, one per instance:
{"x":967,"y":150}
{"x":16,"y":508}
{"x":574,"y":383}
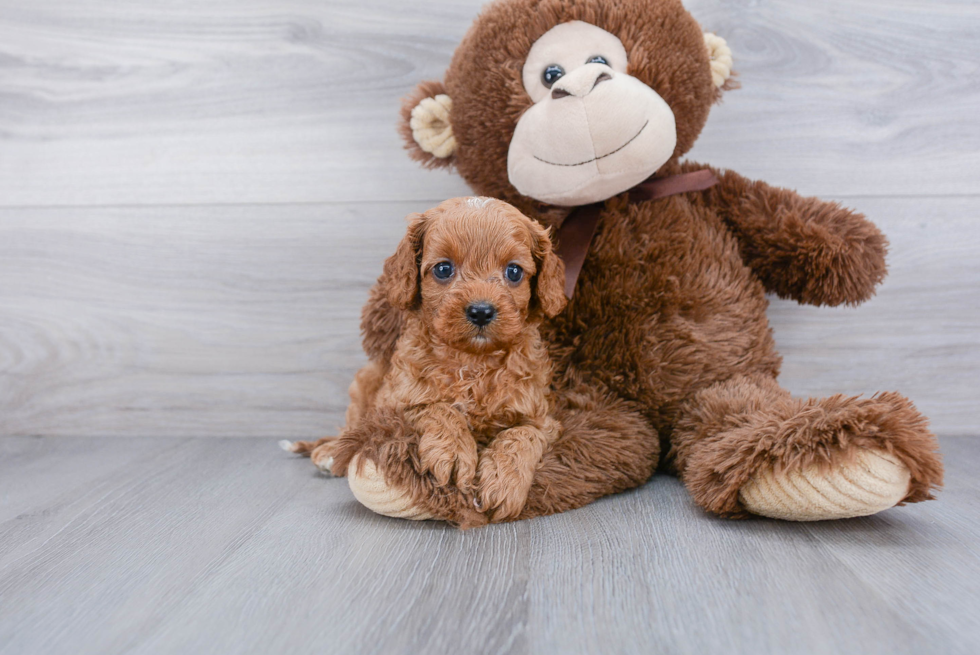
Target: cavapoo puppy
{"x":469,"y":374}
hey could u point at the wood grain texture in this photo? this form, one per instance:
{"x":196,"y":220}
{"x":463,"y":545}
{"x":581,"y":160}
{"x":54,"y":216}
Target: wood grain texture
{"x":107,"y":103}
{"x":194,"y":200}
{"x":242,"y":321}
{"x":232,"y":546}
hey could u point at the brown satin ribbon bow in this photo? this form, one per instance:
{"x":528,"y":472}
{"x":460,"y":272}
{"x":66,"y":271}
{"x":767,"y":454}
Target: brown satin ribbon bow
{"x":576,"y":232}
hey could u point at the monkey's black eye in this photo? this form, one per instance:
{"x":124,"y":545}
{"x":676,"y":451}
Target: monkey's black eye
{"x":551,"y":74}
{"x":514,"y":273}
{"x":443,"y":270}
{"x":598,"y":59}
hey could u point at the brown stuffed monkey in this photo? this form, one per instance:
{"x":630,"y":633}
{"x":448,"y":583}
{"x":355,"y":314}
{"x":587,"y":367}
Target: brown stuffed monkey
{"x":664,"y":354}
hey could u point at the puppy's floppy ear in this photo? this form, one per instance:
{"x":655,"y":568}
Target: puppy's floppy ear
{"x":425,"y":125}
{"x":401,"y":270}
{"x":549,"y":282}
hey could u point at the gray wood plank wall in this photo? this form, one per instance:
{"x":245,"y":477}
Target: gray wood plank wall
{"x":195,"y":198}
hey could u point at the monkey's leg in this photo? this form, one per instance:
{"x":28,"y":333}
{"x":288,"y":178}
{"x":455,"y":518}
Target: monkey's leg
{"x":605,"y":447}
{"x":746,"y":446}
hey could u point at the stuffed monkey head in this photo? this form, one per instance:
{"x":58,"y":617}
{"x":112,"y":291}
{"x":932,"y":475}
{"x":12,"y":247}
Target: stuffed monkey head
{"x":555,"y":103}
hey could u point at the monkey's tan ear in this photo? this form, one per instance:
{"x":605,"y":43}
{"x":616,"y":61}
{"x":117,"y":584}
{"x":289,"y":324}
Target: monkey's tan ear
{"x":721,"y":60}
{"x":401,"y":270}
{"x":426,"y":127}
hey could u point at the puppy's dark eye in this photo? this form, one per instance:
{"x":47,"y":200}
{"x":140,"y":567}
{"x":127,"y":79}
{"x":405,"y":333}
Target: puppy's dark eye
{"x":598,"y":59}
{"x":443,"y":270}
{"x":551,"y":74}
{"x":514,"y":272}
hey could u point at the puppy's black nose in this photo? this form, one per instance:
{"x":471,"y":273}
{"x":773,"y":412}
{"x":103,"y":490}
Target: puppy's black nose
{"x":480,"y":313}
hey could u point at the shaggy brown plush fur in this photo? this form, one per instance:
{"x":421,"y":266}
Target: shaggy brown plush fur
{"x":667,"y":332}
{"x":732,"y":429}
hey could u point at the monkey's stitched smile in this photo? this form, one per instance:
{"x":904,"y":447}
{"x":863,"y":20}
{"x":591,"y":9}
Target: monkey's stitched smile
{"x":589,"y":161}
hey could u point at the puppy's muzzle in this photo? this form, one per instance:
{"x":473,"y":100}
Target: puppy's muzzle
{"x":480,"y":313}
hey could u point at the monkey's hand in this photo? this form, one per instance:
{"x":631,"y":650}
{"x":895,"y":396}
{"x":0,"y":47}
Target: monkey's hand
{"x":813,"y":251}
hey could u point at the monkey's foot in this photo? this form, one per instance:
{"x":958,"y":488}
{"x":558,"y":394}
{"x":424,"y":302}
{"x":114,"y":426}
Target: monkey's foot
{"x":873,"y":482}
{"x":372,"y":491}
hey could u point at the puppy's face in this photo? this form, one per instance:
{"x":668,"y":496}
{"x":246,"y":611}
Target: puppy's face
{"x":477,"y":269}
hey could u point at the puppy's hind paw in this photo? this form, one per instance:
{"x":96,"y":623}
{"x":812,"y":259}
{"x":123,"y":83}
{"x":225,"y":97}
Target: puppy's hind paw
{"x":323,"y":456}
{"x":325,"y":465}
{"x":303,"y":448}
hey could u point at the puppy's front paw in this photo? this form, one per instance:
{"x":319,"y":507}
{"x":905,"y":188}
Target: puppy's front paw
{"x":450,"y":459}
{"x":503,"y":485}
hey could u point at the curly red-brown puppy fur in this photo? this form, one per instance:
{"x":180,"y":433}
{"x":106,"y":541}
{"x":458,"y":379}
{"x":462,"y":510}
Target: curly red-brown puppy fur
{"x":469,"y":370}
{"x":666,"y":339}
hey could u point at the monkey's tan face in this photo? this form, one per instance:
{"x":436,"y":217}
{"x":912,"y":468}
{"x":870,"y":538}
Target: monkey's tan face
{"x":594,"y":131}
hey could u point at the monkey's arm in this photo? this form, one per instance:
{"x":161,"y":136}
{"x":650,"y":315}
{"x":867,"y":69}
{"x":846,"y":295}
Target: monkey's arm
{"x":381,"y":323}
{"x":807,"y":249}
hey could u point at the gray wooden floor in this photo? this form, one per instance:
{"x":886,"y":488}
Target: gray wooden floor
{"x":194,"y":200}
{"x":113,"y":545}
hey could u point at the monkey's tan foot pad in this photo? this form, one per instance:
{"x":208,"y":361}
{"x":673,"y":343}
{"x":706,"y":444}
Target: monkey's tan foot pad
{"x":371,"y":490}
{"x":873,"y":482}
